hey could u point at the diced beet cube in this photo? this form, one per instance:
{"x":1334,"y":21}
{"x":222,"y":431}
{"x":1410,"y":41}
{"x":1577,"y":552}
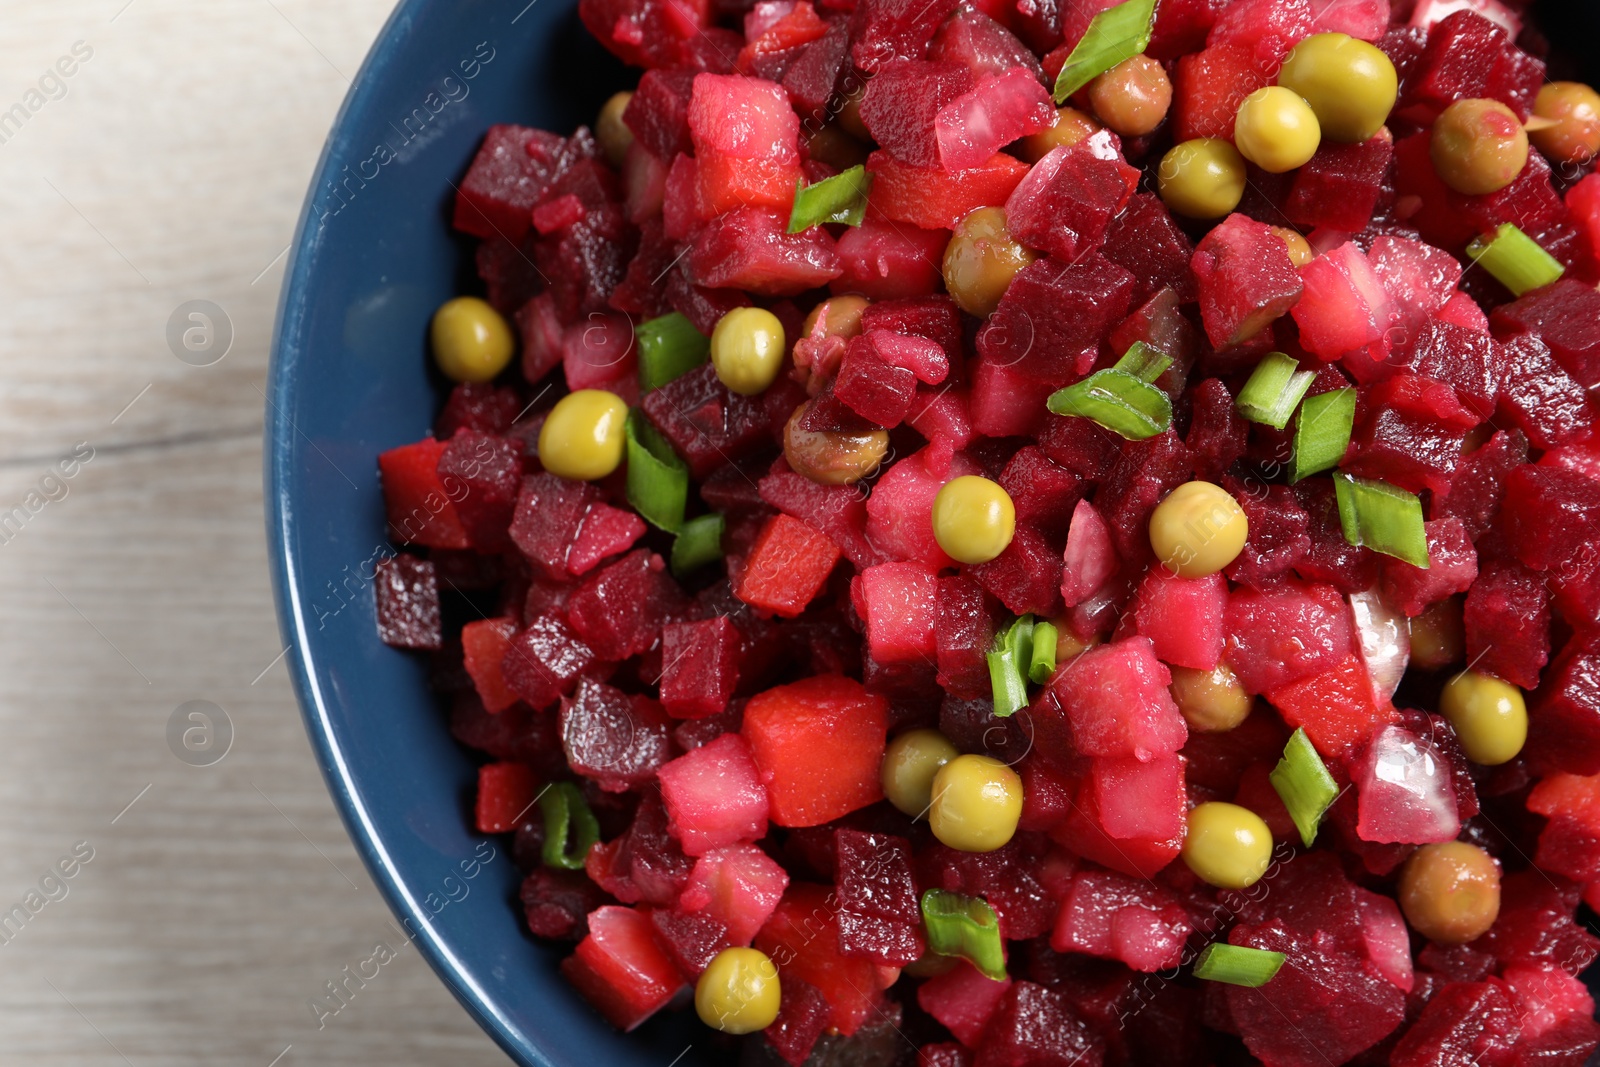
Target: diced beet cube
{"x":818,"y":743}
{"x":1063,"y":206}
{"x":1008,"y":878}
{"x":902,"y":104}
{"x":1340,"y":186}
{"x":836,"y":510}
{"x":999,"y":109}
{"x":1181,"y":27}
{"x":1469,"y":56}
{"x":1208,"y":87}
{"x":692,"y":939}
{"x":700,"y":666}
{"x":881,"y":30}
{"x":510,"y":278}
{"x":557,"y":903}
{"x":787,"y":567}
{"x":618,"y":740}
{"x":1342,"y":1005}
{"x":645,"y":863}
{"x":1139,"y":799}
{"x":746,"y":141}
{"x":876,"y":390}
{"x":1336,"y":707}
{"x":599,"y":353}
{"x":1404,"y":792}
{"x":620,"y":609}
{"x":1033,"y":1024}
{"x":505,"y":793}
{"x":604,"y":532}
{"x":962,"y":635}
{"x":482,"y":474}
{"x":407,"y":592}
{"x":902,"y":610}
{"x":1468,"y":361}
{"x":545,"y":523}
{"x":658,"y":112}
{"x":1563,"y":315}
{"x":1507,"y":618}
{"x":749,"y":248}
{"x":1363,"y":19}
{"x":1277,"y":636}
{"x":543,"y":662}
{"x":812,"y":77}
{"x":1006,"y":403}
{"x":1480,"y":482}
{"x":802,"y":1017}
{"x":1116,"y":698}
{"x":1344,"y":308}
{"x":962,"y":999}
{"x":1246,"y":280}
{"x":936,"y":199}
{"x":501,"y":186}
{"x":1536,"y":925}
{"x":975,"y":41}
{"x":1453,"y":565}
{"x":1564,"y":724}
{"x":1394,"y":441}
{"x":479,"y":406}
{"x":1217,"y":432}
{"x":1144,"y":473}
{"x":706,"y":423}
{"x":884,"y":260}
{"x":1268,"y":27}
{"x":879,"y":915}
{"x":620,"y":969}
{"x":1027,"y":576}
{"x":419,"y":506}
{"x":1547,"y":997}
{"x":900,"y":509}
{"x":739,"y":886}
{"x":1418,"y":277}
{"x":1182,"y":617}
{"x":483,"y":645}
{"x":1461,"y":310}
{"x":802,"y":939}
{"x":1550,"y":514}
{"x":1113,"y":916}
{"x":1043,"y":492}
{"x":1539,"y":397}
{"x":1049,"y":324}
{"x":1090,"y":558}
{"x":1465,"y":1022}
{"x":1278,"y":537}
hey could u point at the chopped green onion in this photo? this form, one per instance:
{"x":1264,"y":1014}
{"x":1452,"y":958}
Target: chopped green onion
{"x":658,"y":481}
{"x":699,"y":542}
{"x":1143,"y":362}
{"x":959,"y":925}
{"x":1121,"y":402}
{"x":669,"y":346}
{"x":841,"y":198}
{"x":1113,"y":36}
{"x":570,"y":828}
{"x":1322,"y":432}
{"x":1515,"y":259}
{"x":1274,"y":390}
{"x":1042,"y":663}
{"x":1237,"y":964}
{"x":1382,"y":517}
{"x":1304,"y":784}
{"x":1009,"y":663}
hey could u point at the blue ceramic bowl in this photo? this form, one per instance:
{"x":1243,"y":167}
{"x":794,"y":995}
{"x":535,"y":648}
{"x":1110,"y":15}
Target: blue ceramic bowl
{"x":374,"y":255}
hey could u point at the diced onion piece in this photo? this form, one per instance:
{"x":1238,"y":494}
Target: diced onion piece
{"x":1237,"y":964}
{"x":570,"y":828}
{"x":669,"y":346}
{"x":959,"y":925}
{"x":699,"y":542}
{"x":1515,"y":259}
{"x":1385,"y":642}
{"x":1322,"y":432}
{"x":1382,"y":517}
{"x":1143,"y":362}
{"x":841,"y":198}
{"x":1112,"y":37}
{"x":1009,"y":663}
{"x":658,"y":481}
{"x":1121,"y":402}
{"x":1305,"y":785}
{"x":1274,"y":390}
{"x":1042,"y":663}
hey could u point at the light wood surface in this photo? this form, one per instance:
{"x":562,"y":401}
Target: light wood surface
{"x":219,"y":898}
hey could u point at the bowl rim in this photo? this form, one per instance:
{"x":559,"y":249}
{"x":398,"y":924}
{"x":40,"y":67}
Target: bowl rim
{"x":286,"y":351}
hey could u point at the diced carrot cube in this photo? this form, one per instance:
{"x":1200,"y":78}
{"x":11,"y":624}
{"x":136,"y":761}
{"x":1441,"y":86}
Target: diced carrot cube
{"x":819,"y":745}
{"x":620,"y":969}
{"x":1336,"y":708}
{"x":419,"y":508}
{"x":802,"y":937}
{"x":483,"y":647}
{"x":787,"y":567}
{"x":505,"y":793}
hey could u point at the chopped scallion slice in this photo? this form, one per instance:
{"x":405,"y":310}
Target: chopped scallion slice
{"x":1042,"y":662}
{"x":699,"y":542}
{"x":1113,"y":36}
{"x":1322,"y":432}
{"x":1304,"y":784}
{"x":1382,"y":517}
{"x":1237,"y":964}
{"x":669,"y":346}
{"x":1274,"y":390}
{"x":1009,"y":663}
{"x":1121,"y":402}
{"x":658,"y":481}
{"x":959,"y":925}
{"x":1515,"y":259}
{"x":841,"y":198}
{"x":1143,"y":362}
{"x":570,"y":828}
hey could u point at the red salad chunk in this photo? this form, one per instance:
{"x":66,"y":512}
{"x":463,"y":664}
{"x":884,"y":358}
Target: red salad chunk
{"x":1155,"y":620}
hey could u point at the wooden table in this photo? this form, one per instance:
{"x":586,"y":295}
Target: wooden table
{"x":159,"y":155}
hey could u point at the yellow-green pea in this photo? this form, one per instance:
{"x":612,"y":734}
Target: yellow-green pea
{"x":1490,"y":717}
{"x":609,"y":129}
{"x":1227,"y":846}
{"x":471,"y":340}
{"x":739,"y":992}
{"x":973,"y":519}
{"x":1198,"y":529}
{"x":747,"y":349}
{"x":1211,"y":701}
{"x":981,"y":259}
{"x":1276,"y":130}
{"x":583,"y":437}
{"x":1450,"y":892}
{"x":977,"y":801}
{"x":1203,"y":178}
{"x":1478,"y":146}
{"x":909,"y":765}
{"x":1349,"y":84}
